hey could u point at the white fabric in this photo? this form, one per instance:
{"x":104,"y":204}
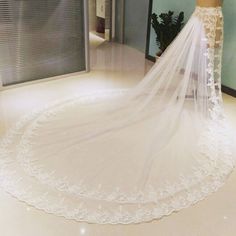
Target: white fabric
{"x":129,"y":156}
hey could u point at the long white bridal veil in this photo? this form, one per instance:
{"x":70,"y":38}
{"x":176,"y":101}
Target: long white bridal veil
{"x":135,"y":155}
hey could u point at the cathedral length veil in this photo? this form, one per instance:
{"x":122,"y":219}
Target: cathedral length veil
{"x":129,"y":156}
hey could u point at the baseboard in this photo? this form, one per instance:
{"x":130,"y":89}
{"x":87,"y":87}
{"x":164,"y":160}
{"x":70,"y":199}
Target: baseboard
{"x":151,"y":58}
{"x":229,"y":91}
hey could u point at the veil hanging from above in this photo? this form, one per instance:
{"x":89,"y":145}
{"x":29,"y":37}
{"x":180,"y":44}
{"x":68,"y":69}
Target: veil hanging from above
{"x":129,"y":156}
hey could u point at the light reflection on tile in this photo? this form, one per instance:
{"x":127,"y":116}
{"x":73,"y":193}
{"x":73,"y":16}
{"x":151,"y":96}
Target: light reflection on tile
{"x":28,"y":208}
{"x":82,"y":231}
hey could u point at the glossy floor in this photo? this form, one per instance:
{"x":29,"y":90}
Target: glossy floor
{"x":113,"y":66}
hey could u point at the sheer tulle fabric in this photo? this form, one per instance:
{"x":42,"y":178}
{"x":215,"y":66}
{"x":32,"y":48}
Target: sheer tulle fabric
{"x":129,"y":156}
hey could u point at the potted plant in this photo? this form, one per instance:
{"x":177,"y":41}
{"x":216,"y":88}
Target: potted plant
{"x":166,"y":27}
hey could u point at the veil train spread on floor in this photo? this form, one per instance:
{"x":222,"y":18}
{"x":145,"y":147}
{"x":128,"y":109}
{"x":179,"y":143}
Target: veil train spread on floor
{"x":129,"y":156}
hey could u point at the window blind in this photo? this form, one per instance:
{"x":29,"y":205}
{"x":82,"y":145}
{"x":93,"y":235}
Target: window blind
{"x":40,"y":39}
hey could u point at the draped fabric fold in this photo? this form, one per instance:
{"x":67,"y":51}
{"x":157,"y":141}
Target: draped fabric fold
{"x":129,"y":156}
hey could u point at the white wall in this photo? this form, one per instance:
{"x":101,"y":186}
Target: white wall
{"x":136,"y":17}
{"x":92,"y":15}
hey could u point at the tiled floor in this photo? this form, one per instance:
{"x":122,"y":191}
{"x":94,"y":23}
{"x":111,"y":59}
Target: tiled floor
{"x":113,"y":66}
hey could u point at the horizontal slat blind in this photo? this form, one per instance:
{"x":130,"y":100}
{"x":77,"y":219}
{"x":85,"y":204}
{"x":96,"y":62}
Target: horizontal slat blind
{"x":40,"y":39}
